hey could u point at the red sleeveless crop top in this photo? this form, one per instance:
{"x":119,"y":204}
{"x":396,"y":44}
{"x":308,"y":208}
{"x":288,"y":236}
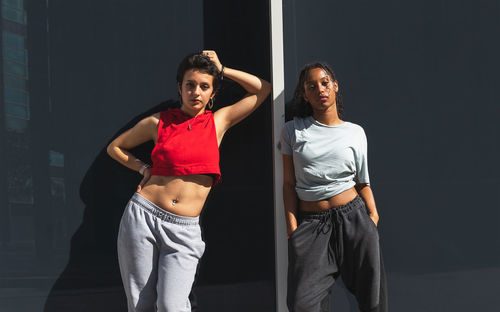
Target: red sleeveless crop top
{"x":186,"y":145}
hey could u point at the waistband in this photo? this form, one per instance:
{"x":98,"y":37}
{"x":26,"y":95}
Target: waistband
{"x":354,"y":204}
{"x":162,"y":213}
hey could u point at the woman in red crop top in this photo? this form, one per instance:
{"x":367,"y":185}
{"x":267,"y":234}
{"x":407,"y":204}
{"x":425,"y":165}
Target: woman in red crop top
{"x":159,"y":242}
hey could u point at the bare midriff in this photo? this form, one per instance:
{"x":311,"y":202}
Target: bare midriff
{"x":332,"y":202}
{"x":181,"y":195}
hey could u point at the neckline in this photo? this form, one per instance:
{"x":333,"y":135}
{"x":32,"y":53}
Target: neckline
{"x":187,"y":116}
{"x":314,"y":121}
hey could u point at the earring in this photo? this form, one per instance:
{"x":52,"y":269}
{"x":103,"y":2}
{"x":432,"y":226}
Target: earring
{"x":211,"y":103}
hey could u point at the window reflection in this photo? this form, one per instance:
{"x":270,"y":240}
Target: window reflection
{"x":57,"y":189}
{"x":16,"y":110}
{"x":16,"y":55}
{"x":18,"y":4}
{"x":13,"y":15}
{"x":17,"y":237}
{"x":20,"y":184}
{"x":15,"y":59}
{"x":17,"y":96}
{"x":14,"y":68}
{"x":12,"y":10}
{"x":12,"y":40}
{"x":56,"y":159}
{"x":14,"y":82}
{"x":15,"y":124}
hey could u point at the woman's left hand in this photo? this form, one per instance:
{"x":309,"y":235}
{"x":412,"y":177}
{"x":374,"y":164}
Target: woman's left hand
{"x":374,"y":218}
{"x":214,"y":58}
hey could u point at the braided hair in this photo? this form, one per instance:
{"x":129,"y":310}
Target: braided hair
{"x":300,"y":107}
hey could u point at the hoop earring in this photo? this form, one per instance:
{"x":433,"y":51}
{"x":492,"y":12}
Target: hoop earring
{"x":211,"y":103}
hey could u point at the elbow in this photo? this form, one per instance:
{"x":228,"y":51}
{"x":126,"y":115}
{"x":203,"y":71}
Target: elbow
{"x":288,"y":187}
{"x":110,"y":149}
{"x":266,"y":88}
{"x":360,"y":186}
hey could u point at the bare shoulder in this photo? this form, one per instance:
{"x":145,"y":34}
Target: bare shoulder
{"x":220,"y":114}
{"x":151,"y":120}
{"x":147,"y":127}
{"x":149,"y":123}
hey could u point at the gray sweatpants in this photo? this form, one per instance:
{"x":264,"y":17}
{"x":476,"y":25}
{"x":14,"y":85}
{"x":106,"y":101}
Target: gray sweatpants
{"x":158,"y":252}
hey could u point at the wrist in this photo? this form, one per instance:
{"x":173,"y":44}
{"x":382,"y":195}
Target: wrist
{"x":143,"y":168}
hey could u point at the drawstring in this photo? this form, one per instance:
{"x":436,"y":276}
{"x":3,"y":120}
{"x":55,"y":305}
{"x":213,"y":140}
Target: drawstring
{"x":324,"y":221}
{"x":339,"y":238}
{"x":327,"y":222}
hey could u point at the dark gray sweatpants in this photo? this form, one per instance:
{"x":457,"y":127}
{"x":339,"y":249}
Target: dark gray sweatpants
{"x":341,"y":241}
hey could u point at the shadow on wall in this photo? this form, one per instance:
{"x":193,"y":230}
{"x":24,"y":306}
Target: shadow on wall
{"x":91,"y":280}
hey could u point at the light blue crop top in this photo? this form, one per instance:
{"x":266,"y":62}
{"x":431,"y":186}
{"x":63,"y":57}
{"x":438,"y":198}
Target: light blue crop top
{"x":327,"y":159}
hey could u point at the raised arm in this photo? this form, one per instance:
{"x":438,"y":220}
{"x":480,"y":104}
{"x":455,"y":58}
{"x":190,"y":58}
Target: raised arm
{"x":145,"y":130}
{"x":290,"y":198}
{"x":257,"y":88}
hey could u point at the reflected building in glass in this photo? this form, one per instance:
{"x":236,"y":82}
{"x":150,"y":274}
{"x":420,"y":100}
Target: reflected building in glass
{"x":32,"y":187}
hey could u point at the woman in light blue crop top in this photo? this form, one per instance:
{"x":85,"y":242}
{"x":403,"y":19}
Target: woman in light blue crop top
{"x":329,"y":205}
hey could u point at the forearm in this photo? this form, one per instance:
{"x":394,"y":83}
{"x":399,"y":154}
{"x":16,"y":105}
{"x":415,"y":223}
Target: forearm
{"x":291,"y":205}
{"x":143,"y":131}
{"x":125,"y":158}
{"x":252,"y":84}
{"x":366,"y":193}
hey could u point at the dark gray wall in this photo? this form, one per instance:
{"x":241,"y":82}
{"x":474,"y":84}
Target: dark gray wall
{"x":422,"y":78}
{"x":240,"y":216}
{"x":95,"y":69}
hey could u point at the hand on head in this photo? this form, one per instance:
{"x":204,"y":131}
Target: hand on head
{"x":213,"y":57}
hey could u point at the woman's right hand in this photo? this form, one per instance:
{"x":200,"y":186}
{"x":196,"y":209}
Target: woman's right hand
{"x":291,"y":230}
{"x":145,"y":130}
{"x":146,"y":175}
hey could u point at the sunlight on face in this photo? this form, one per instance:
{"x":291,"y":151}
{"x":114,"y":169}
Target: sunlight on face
{"x":196,"y":90}
{"x":319,"y":89}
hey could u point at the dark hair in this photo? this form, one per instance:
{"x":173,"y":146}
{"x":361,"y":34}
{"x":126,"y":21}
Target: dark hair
{"x":302,"y":108}
{"x":201,"y":62}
